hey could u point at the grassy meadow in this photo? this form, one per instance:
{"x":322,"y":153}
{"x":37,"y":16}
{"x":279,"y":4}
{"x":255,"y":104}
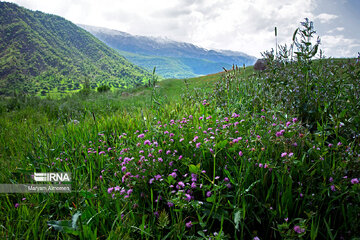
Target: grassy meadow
{"x":235,"y":155}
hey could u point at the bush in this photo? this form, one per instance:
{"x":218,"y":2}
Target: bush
{"x":103,"y":88}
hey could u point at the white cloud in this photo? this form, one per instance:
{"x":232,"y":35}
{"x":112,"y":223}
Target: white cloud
{"x":338,"y":29}
{"x":325,"y":17}
{"x":339,"y":46}
{"x":246,"y":25}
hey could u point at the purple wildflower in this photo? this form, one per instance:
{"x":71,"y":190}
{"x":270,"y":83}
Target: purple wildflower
{"x":110,"y":190}
{"x":354,"y":181}
{"x":181,"y":184}
{"x":188,"y":224}
{"x":298,"y":229}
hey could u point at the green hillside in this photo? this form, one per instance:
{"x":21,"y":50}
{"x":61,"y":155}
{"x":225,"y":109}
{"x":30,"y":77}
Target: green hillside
{"x":174,"y":67}
{"x":42,"y":53}
{"x":166,"y":67}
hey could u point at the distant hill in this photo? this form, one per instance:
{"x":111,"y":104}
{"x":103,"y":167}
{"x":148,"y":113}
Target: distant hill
{"x":171,"y":58}
{"x":45,"y":53}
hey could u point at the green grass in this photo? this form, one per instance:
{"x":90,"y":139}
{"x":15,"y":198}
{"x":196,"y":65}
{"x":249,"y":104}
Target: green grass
{"x":234,"y":155}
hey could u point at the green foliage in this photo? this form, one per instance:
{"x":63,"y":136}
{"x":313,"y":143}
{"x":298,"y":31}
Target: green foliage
{"x":226,"y":160}
{"x":103,"y":88}
{"x":46,"y":54}
{"x":320,"y":91}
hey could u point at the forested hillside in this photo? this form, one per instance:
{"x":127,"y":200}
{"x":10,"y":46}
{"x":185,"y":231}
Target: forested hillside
{"x":42,"y":53}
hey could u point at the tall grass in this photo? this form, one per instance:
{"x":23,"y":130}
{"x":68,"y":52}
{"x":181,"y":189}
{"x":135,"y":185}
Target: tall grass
{"x":237,"y":160}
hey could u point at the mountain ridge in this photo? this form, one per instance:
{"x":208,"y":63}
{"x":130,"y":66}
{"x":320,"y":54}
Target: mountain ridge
{"x":207,"y":61}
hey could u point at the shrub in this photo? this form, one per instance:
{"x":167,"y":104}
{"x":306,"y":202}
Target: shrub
{"x":103,"y":88}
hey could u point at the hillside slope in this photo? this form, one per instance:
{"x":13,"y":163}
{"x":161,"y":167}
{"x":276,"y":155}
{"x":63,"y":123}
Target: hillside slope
{"x":171,"y":58}
{"x":43,"y":52}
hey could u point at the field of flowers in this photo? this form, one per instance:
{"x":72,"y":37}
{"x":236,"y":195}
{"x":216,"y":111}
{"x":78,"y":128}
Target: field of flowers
{"x":232,"y":161}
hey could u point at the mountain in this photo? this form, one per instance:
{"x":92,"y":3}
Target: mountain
{"x":171,"y":58}
{"x":42,"y":53}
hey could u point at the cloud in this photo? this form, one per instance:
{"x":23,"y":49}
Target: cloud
{"x":339,"y":46}
{"x":246,"y":25}
{"x":325,"y":17}
{"x":338,"y":29}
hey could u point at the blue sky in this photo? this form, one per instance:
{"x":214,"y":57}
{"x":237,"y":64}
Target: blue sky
{"x":241,"y":25}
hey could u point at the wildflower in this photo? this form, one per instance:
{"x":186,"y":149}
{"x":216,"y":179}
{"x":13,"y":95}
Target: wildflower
{"x":181,"y":139}
{"x":187,"y":197}
{"x":208,"y":194}
{"x":339,"y":144}
{"x":298,"y":229}
{"x":330,"y":145}
{"x":170,"y":204}
{"x":332,"y":187}
{"x":181,"y":184}
{"x":260,"y":165}
{"x":288,"y":124}
{"x":193,"y":185}
{"x":173,"y":174}
{"x":110,"y":190}
{"x":151,"y":180}
{"x":141,"y":135}
{"x":291,"y":154}
{"x":286,"y":219}
{"x":294,"y":120}
{"x":354,"y":181}
{"x":129,"y":191}
{"x":198,"y":145}
{"x":147,"y":142}
{"x":16,"y":205}
{"x":284,"y":154}
{"x":157,"y":177}
{"x":188,"y":224}
{"x":256,"y":238}
{"x":226,"y":179}
{"x":123,"y":169}
{"x":156,"y":214}
{"x":193,"y":177}
{"x":240,"y":153}
{"x":117,"y":188}
{"x":331,"y":179}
